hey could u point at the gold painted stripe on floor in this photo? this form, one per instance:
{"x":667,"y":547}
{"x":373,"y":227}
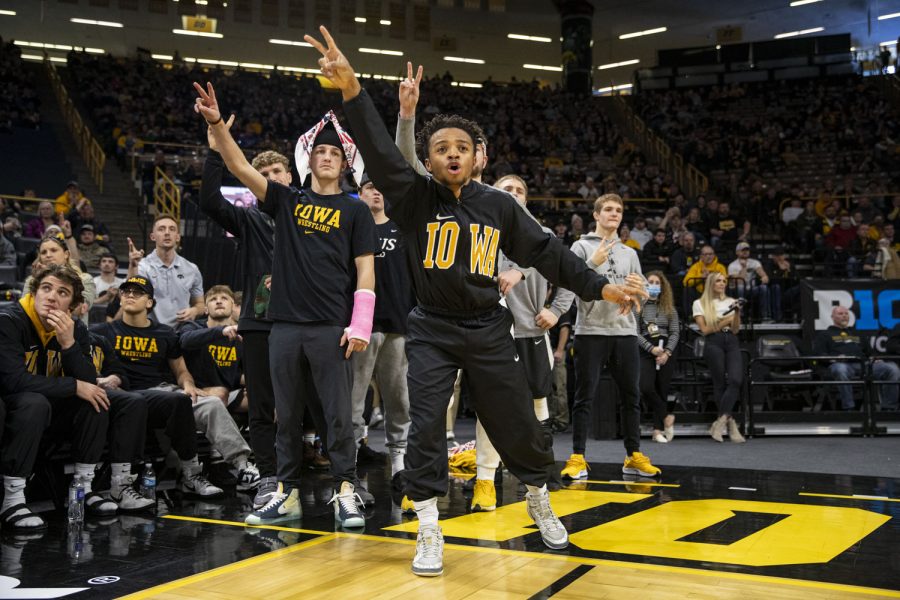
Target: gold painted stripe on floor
{"x":242,"y":524}
{"x":614,"y":482}
{"x":329,"y":536}
{"x":249,"y":562}
{"x":853,"y":497}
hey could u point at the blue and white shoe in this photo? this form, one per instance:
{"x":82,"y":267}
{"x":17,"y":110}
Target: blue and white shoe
{"x":283,"y":506}
{"x":346,"y":507}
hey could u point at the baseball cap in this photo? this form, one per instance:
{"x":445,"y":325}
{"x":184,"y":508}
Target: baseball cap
{"x":141,"y":283}
{"x":742,"y":246}
{"x":364,"y":180}
{"x":73,"y":184}
{"x":86,"y":227}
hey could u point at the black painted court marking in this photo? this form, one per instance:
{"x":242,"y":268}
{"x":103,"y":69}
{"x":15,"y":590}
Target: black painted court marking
{"x":563,"y":582}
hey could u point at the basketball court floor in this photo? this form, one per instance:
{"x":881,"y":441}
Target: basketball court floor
{"x":697,"y":533}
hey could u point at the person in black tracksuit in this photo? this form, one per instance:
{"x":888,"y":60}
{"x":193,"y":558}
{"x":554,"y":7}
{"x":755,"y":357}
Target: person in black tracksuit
{"x":255,"y":231}
{"x":454,"y":228}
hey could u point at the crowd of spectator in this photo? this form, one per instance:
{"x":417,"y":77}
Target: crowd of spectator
{"x":19,"y":103}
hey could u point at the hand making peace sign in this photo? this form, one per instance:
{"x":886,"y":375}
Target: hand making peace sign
{"x":334,"y":65}
{"x":409,"y":92}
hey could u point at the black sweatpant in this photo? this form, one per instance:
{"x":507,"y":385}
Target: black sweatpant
{"x":127,"y":426}
{"x":437,"y":348}
{"x":726,"y":368}
{"x":619,"y":353}
{"x":262,"y":400}
{"x":305,"y":357}
{"x":29,"y":414}
{"x":655,"y":387}
{"x":174,"y":413}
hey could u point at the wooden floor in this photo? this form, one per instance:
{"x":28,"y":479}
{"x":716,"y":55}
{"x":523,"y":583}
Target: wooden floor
{"x":341,"y":565}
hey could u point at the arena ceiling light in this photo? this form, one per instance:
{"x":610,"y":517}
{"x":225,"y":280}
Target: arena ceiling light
{"x":474,"y":61}
{"x":881,"y":18}
{"x":162,"y":57}
{"x":8,"y":13}
{"x":40,"y":58}
{"x":635,"y":34}
{"x":465,"y":84}
{"x":297,"y":70}
{"x":359,"y":19}
{"x":528,"y":38}
{"x":802,"y":2}
{"x":256,"y":66}
{"x":384,"y":22}
{"x":291,"y":43}
{"x":377,"y":51}
{"x":615,"y":88}
{"x":801,"y":32}
{"x":542,"y":67}
{"x":93,"y":22}
{"x":624,"y":63}
{"x":197,"y":33}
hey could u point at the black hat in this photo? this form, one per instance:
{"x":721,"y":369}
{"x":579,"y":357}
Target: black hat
{"x":328,"y":135}
{"x":364,"y":180}
{"x":86,"y":227}
{"x":73,"y":184}
{"x":141,"y":283}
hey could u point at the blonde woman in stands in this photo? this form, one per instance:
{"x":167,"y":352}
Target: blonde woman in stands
{"x":56,"y":250}
{"x":719,"y":319}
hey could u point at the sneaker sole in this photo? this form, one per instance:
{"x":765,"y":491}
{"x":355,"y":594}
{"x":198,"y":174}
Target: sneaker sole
{"x":353,"y":523}
{"x":582,"y":475}
{"x":480,"y":508}
{"x":630,"y":471}
{"x":199,"y":495}
{"x":555,"y":545}
{"x":428,"y":572}
{"x":251,"y":520}
{"x":146,"y":507}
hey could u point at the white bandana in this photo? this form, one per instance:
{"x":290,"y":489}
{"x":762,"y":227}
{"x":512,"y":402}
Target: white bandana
{"x":305,"y":145}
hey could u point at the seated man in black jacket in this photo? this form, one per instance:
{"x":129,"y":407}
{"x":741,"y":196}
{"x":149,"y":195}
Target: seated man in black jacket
{"x":49,"y":381}
{"x":841,"y":340}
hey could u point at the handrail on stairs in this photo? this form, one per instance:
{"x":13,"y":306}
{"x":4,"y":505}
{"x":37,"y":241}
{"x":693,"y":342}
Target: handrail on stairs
{"x":166,"y":195}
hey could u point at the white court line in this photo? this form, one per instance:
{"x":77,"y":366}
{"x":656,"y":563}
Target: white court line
{"x":743,"y":489}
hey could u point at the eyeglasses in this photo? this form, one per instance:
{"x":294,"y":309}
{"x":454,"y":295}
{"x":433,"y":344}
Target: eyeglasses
{"x":132,"y":292}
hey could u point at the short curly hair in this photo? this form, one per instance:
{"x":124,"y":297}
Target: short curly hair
{"x":269,"y":158}
{"x":65,"y":273}
{"x":446,"y":122}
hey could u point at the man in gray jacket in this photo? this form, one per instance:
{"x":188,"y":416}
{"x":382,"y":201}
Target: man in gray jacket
{"x":526,"y":294}
{"x":606,"y":337}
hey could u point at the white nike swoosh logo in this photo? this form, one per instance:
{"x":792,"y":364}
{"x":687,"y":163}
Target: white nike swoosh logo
{"x":394,"y":230}
{"x":440,"y":217}
{"x":536,"y":342}
{"x":517,"y":358}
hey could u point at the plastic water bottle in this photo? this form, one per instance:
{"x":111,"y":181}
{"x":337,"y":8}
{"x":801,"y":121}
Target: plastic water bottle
{"x":148,"y":482}
{"x":76,"y":501}
{"x":74,"y":542}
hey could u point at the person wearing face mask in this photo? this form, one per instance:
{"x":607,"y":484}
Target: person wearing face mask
{"x":658,"y":331}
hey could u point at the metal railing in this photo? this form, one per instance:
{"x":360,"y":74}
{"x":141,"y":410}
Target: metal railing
{"x":166,"y":195}
{"x":687,"y":176}
{"x":93,"y":155}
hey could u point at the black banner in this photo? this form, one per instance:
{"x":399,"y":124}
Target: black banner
{"x":874,"y":307}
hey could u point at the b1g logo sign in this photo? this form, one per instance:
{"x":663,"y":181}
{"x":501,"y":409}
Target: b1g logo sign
{"x":874,"y":307}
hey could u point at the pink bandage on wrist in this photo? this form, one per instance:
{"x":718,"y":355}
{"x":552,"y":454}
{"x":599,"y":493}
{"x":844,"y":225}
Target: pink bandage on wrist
{"x":360,"y":327}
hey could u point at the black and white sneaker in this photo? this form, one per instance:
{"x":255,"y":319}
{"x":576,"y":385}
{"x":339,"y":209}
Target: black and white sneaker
{"x":346,"y":507}
{"x":429,"y":559}
{"x":248,"y":478}
{"x":129,"y":500}
{"x":196,"y":484}
{"x":264,"y":492}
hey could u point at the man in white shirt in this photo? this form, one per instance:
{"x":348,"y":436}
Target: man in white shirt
{"x":177,"y":281}
{"x":640,"y":233}
{"x":755,"y":284}
{"x":106,"y":282}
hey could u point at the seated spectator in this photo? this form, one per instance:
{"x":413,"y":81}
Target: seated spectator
{"x":625,"y":238}
{"x":69,"y":198}
{"x":153,"y":361}
{"x":83,"y":214}
{"x":830,"y":218}
{"x":657,"y":250}
{"x":7,"y":252}
{"x":792,"y":211}
{"x":37,"y":227}
{"x":751,"y":281}
{"x":106,"y":283}
{"x":842,"y":340}
{"x":783,"y":284}
{"x":697,"y":274}
{"x":640,"y":233}
{"x":728,"y":227}
{"x":695,"y":224}
{"x":588,"y":190}
{"x":805,"y":230}
{"x":861,"y":248}
{"x":838,"y":243}
{"x":89,"y":248}
{"x":213,"y":351}
{"x":562,"y":233}
{"x":685,"y":256}
{"x":868,"y":210}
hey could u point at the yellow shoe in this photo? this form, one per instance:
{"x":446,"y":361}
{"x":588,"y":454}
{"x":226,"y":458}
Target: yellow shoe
{"x":407,"y":507}
{"x":485,"y":498}
{"x":576,"y":467}
{"x":638,"y":464}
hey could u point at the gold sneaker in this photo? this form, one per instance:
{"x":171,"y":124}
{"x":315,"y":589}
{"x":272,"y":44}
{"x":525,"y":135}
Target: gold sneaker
{"x":576,"y":467}
{"x":638,"y":464}
{"x":485,"y":497}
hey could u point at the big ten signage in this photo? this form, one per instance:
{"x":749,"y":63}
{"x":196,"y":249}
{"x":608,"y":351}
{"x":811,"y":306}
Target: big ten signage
{"x":874,"y":310}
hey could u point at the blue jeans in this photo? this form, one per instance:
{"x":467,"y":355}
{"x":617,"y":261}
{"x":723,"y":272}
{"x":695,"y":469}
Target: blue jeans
{"x":881,"y":371}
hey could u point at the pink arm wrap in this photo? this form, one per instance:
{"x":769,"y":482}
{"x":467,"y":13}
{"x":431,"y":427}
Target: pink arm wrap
{"x":360,"y":327}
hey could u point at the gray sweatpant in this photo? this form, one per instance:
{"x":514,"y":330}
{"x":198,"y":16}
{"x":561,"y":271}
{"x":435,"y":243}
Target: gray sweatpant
{"x":217,"y":424}
{"x":384,"y":361}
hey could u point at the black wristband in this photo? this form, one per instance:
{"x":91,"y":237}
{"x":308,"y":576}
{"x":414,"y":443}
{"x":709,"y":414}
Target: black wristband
{"x":217,"y":121}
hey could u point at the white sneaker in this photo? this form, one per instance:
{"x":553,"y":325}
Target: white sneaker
{"x":552,"y":531}
{"x":283,"y":506}
{"x":669,"y":432}
{"x":248,"y":478}
{"x":376,"y":419}
{"x":123,"y":493}
{"x":660,"y":438}
{"x":346,"y":507}
{"x":429,"y":559}
{"x":198,"y":485}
